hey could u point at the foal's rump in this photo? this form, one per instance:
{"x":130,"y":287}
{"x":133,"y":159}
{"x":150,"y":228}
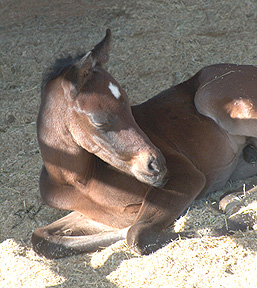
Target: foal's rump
{"x":227,"y":94}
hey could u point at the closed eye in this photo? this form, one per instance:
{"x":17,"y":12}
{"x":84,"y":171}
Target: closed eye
{"x":100,"y":125}
{"x":102,"y":120}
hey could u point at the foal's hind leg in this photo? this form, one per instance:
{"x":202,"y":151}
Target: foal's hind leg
{"x":230,"y":99}
{"x":232,"y":203}
{"x":74,"y":234}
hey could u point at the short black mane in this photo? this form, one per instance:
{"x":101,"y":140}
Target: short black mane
{"x":58,"y":67}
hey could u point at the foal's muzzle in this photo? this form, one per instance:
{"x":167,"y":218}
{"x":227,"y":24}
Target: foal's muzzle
{"x":151,"y":169}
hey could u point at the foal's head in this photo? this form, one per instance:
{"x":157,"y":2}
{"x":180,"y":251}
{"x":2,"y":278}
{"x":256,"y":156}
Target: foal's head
{"x":101,"y":121}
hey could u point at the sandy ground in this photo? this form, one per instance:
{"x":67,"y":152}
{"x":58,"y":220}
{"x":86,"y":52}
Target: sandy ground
{"x":156,"y":44}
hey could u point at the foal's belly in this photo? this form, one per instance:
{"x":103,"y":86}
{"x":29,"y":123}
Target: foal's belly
{"x":201,"y":140}
{"x":214,"y":152}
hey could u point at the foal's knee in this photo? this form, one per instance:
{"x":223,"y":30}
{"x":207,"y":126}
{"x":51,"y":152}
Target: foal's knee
{"x":41,"y":244}
{"x":46,"y":243}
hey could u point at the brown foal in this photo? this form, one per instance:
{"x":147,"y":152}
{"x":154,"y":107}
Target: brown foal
{"x":101,"y":158}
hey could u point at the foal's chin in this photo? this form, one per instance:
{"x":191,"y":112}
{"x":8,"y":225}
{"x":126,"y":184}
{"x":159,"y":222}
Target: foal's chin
{"x":158,"y":181}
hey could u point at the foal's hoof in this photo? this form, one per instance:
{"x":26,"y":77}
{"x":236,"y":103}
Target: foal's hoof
{"x":237,"y":218}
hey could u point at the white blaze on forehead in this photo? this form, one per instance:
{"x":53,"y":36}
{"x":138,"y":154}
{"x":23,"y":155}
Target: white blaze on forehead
{"x":115,"y":90}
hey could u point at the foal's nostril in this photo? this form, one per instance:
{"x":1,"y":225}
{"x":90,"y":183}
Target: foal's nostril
{"x":153,"y":166}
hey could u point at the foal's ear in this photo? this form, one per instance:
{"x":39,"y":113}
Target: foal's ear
{"x":101,"y":51}
{"x":97,"y":56}
{"x":79,"y":74}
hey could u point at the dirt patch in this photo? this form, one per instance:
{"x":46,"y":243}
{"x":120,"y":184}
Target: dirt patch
{"x":156,"y":44}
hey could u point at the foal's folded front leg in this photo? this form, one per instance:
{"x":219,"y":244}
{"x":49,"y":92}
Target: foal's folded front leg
{"x":162,"y":206}
{"x":74,"y":234}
